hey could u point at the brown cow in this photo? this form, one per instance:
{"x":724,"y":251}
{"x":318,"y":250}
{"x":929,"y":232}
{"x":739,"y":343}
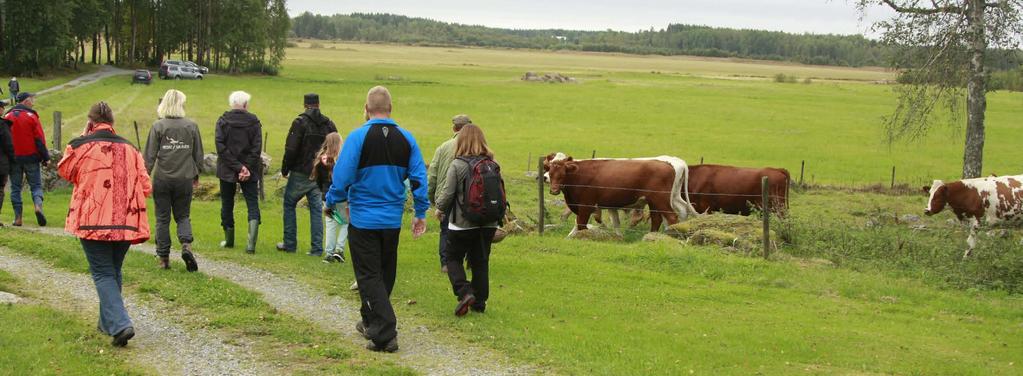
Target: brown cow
{"x":616,"y":183}
{"x":990,"y":200}
{"x":736,"y":190}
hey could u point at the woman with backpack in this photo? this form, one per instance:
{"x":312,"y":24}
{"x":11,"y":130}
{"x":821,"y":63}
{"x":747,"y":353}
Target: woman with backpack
{"x":335,"y":218}
{"x":474,"y":188}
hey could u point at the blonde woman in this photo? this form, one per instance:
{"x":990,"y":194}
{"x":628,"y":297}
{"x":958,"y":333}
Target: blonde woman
{"x":469,"y":236}
{"x":174,"y":160}
{"x":336,"y":216}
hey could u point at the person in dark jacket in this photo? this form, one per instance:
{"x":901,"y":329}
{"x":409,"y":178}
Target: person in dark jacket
{"x":370,"y":174}
{"x":304,"y":141}
{"x":6,"y":154}
{"x":14,"y":87}
{"x":30,"y":154}
{"x":174,"y":160}
{"x":239,"y":140}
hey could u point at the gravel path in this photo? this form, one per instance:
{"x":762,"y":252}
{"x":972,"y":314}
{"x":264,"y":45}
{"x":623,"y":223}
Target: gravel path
{"x":420,"y":349}
{"x":159,"y":344}
{"x":103,"y":72}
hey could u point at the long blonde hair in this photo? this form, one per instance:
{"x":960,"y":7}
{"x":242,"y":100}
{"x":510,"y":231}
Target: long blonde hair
{"x":330,"y":149}
{"x":172,"y":105}
{"x":471,"y":142}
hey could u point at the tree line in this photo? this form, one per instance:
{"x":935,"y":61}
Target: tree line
{"x":231,"y":35}
{"x":676,"y":39}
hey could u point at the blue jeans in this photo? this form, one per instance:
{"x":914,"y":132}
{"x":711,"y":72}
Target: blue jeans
{"x":105,"y":260}
{"x":19,"y":171}
{"x":300,"y":186}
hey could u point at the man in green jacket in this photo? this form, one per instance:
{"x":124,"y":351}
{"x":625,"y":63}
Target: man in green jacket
{"x":436,"y":175}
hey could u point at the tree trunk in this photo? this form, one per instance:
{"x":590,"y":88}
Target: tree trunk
{"x":106,"y":39}
{"x":95,"y":47}
{"x":976,"y":97}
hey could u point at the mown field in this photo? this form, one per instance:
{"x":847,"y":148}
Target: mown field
{"x":853,"y":292}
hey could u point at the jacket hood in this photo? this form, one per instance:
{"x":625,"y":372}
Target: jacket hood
{"x":239,"y":118}
{"x":23,"y":107}
{"x":315,"y":115}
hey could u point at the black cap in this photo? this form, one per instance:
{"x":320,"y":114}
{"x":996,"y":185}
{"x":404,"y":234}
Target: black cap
{"x":312,"y":98}
{"x":23,"y":96}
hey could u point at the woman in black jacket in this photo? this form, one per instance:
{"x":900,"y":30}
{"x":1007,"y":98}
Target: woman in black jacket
{"x":239,"y":139}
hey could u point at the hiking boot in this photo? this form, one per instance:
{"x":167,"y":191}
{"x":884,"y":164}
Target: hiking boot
{"x":361,"y":328}
{"x":40,"y":218}
{"x":463,"y":305}
{"x":164,"y":262}
{"x":17,"y":221}
{"x":282,"y":248}
{"x":228,"y":238}
{"x":391,"y":346}
{"x":250,"y":247}
{"x":121,"y":339}
{"x":188,"y":257}
{"x":479,"y":307}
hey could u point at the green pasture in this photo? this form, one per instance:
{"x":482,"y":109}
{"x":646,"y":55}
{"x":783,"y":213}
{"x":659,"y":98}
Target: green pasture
{"x":623,"y":106}
{"x":852,"y":292}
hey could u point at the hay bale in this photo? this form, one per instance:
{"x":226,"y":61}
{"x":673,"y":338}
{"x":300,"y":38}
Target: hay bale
{"x":733,"y":231}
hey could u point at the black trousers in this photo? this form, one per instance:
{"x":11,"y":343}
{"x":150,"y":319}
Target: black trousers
{"x":172,"y":197}
{"x":375,"y":260}
{"x":474,"y":244}
{"x":250,"y":190}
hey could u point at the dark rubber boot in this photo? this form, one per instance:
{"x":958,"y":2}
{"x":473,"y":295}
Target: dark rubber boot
{"x":228,"y":238}
{"x":188,"y":257}
{"x":250,"y":247}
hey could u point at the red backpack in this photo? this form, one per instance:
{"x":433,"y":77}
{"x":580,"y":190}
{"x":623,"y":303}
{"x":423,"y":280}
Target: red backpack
{"x":485,"y":200}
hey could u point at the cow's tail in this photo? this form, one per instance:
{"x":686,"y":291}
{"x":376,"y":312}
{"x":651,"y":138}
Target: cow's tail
{"x":681,"y":206}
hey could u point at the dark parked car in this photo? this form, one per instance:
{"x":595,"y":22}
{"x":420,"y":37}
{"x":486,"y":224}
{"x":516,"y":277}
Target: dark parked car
{"x":142,"y":76}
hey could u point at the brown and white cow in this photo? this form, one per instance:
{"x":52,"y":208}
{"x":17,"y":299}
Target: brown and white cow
{"x":990,"y":201}
{"x":616,"y":183}
{"x":736,"y":190}
{"x":635,"y":212}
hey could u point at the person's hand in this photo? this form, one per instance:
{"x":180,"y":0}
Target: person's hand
{"x":439,"y":214}
{"x":327,"y":211}
{"x":418,"y":227}
{"x":244,"y":174}
{"x":195,"y":183}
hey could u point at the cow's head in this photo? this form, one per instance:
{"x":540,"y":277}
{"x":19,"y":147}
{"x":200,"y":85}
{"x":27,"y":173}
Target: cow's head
{"x":937,"y":197}
{"x":557,"y":169}
{"x":547,"y":164}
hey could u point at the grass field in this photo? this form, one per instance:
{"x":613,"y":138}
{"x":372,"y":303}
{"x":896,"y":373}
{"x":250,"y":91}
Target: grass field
{"x":690,"y":108}
{"x":845,"y":297}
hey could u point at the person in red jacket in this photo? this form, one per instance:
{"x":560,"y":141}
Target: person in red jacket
{"x":30,"y":154}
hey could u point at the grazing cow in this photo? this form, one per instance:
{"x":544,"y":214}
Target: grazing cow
{"x":616,"y":183}
{"x":991,"y":200}
{"x":736,"y":190}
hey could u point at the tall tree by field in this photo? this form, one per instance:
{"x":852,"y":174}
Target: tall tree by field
{"x":233,"y":35}
{"x":944,"y":50}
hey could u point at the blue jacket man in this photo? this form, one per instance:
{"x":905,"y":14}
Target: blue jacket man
{"x":370,"y":174}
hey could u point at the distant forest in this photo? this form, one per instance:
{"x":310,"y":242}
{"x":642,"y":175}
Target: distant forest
{"x":676,"y":39}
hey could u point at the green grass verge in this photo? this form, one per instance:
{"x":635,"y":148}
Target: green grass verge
{"x":626,"y":308}
{"x":223,"y":306}
{"x":38,"y":340}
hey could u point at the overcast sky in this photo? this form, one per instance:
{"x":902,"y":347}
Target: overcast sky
{"x":797,"y":16}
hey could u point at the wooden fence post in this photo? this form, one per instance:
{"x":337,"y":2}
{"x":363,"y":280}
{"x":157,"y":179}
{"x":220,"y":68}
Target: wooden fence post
{"x":529,"y":160}
{"x":802,"y":167}
{"x":767,"y":216}
{"x":594,"y":156}
{"x":893,"y":177}
{"x":138,"y":139}
{"x":57,"y":142}
{"x":701,"y":159}
{"x":266,"y":136}
{"x":539,"y":189}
